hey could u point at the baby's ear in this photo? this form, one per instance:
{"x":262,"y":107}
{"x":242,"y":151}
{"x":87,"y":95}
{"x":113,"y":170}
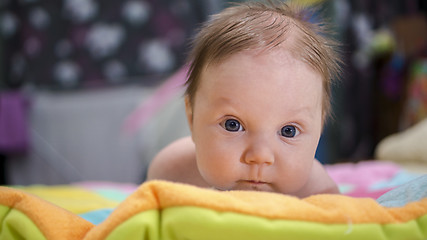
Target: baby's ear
{"x":189,"y":112}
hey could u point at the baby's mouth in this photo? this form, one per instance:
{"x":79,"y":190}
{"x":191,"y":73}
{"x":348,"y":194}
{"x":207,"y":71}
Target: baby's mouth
{"x":256,"y":182}
{"x":254,"y":185}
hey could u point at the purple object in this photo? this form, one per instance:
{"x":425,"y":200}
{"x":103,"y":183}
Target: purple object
{"x":14,"y":136}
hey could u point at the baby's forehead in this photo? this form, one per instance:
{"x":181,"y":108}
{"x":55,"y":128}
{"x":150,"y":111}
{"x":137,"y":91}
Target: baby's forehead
{"x":274,"y":63}
{"x":282,"y":55}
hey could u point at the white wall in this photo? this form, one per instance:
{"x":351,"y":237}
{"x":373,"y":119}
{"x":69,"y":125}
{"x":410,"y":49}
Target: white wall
{"x":78,"y":137}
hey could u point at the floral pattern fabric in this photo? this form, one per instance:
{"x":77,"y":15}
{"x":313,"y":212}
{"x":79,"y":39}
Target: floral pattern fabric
{"x":69,"y":44}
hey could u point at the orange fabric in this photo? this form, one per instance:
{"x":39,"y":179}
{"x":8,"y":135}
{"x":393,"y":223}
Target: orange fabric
{"x":54,"y":222}
{"x":143,"y":199}
{"x":327,"y":208}
{"x":57,"y":223}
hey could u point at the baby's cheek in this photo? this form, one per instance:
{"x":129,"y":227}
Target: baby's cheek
{"x":304,"y":171}
{"x":294,"y":175}
{"x":218,"y":172}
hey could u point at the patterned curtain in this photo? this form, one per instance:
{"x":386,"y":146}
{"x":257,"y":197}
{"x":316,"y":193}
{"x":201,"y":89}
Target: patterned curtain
{"x":74,"y":44}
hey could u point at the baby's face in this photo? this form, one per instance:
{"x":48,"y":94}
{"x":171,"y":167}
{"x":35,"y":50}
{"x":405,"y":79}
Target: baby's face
{"x":256,"y":122}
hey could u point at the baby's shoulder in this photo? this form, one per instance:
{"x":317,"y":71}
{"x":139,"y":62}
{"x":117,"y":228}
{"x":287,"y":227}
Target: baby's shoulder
{"x":319,"y":182}
{"x":177,"y":163}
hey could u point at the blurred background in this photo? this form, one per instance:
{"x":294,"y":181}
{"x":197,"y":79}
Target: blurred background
{"x":92,"y":90}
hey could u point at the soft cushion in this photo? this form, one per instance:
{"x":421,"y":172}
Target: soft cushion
{"x":165,"y":210}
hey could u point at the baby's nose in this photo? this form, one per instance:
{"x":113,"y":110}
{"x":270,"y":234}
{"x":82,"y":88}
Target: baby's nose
{"x":259,"y":152}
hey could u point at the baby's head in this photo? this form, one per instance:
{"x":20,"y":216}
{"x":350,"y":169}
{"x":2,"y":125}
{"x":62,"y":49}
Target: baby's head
{"x":258,"y":93}
{"x":265,"y":26}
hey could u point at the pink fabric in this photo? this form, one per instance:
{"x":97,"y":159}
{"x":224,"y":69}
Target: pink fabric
{"x":355,"y":180}
{"x":359,"y":177}
{"x":152,"y":104}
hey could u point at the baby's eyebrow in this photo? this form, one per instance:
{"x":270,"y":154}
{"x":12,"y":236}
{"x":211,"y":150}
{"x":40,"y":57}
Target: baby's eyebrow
{"x":226,"y":103}
{"x":225,"y":100}
{"x":305,"y":110}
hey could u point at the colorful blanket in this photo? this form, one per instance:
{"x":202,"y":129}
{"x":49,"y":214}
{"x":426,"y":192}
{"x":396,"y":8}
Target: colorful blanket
{"x":164,"y":210}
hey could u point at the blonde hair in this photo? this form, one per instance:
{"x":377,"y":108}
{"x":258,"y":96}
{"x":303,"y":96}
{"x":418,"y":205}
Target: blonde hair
{"x":256,"y":25}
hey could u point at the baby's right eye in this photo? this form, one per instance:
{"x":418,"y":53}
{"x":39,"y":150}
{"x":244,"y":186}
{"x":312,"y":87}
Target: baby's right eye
{"x":232,"y":125}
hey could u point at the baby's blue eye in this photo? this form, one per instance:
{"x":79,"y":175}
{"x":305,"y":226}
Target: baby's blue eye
{"x":232,"y":125}
{"x":289,"y":131}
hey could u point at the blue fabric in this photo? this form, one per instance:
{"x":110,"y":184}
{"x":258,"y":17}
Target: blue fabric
{"x":414,"y":190}
{"x":98,"y":216}
{"x":113,"y":194}
{"x":399,"y":179}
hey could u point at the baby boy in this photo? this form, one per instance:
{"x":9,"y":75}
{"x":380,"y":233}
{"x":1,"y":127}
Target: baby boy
{"x":258,"y":95}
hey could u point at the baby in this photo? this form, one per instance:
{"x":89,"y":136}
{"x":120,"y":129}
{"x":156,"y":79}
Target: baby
{"x":258,"y":95}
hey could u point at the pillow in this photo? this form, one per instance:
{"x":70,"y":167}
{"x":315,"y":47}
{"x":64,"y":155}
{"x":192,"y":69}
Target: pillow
{"x":25,"y":216}
{"x":165,"y":210}
{"x":406,"y":146}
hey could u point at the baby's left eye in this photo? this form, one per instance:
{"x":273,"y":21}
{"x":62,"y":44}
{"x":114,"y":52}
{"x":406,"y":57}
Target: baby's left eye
{"x":289,"y":131}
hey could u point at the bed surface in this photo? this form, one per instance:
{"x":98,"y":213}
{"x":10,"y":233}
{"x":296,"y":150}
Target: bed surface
{"x":164,"y":210}
{"x":94,"y":200}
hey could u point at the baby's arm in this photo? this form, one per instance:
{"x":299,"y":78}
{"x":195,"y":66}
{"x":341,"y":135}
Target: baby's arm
{"x":319,"y":182}
{"x":176,"y":163}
